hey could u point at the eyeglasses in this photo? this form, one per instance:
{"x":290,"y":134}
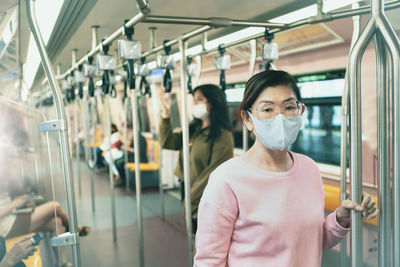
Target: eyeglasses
{"x":266,"y":111}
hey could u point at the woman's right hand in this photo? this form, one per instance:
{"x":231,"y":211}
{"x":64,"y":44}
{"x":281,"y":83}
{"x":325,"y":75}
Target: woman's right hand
{"x":19,"y":201}
{"x":165,"y":99}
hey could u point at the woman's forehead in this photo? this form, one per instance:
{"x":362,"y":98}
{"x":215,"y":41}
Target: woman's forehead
{"x":279,"y":93}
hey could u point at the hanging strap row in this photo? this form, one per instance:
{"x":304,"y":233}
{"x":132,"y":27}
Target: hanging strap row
{"x":222,"y":80}
{"x":167,"y":81}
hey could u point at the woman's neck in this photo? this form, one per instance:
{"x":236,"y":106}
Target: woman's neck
{"x":267,"y":159}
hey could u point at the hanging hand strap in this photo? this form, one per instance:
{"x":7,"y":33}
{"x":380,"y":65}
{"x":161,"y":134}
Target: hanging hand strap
{"x":106,"y":82}
{"x":145,"y":87}
{"x":269,"y":37}
{"x":222,"y":81}
{"x":167,"y":80}
{"x":189,"y":84}
{"x":91,"y":87}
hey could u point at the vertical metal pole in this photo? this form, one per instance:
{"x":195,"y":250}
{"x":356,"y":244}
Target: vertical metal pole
{"x":185,"y":141}
{"x":111,"y":164}
{"x":94,"y":155}
{"x":63,"y":133}
{"x":160,"y":150}
{"x":393,"y":43}
{"x":92,"y":114}
{"x":76,"y":122}
{"x":354,"y":85}
{"x":383,"y":150}
{"x":126,"y":140}
{"x":343,"y":136}
{"x":138,"y":181}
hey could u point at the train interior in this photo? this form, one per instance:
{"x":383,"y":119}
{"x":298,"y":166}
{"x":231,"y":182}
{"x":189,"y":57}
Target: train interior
{"x":58,"y":159}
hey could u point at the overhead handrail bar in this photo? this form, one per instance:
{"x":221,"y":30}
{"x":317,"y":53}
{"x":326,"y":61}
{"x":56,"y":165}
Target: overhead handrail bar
{"x":175,"y":41}
{"x":307,"y":21}
{"x":140,"y":17}
{"x":118,"y":33}
{"x":213,"y":22}
{"x":60,"y":113}
{"x":377,"y":24}
{"x":343,"y":137}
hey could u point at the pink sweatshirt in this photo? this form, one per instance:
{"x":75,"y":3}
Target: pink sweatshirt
{"x":252,"y":217}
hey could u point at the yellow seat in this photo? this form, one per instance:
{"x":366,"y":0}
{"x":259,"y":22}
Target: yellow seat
{"x":154,"y":164}
{"x":332,"y":201}
{"x":33,"y":261}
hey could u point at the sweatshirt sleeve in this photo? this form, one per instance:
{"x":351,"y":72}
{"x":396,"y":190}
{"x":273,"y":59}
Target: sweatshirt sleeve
{"x":167,"y":138}
{"x":218,"y":211}
{"x":332,"y":231}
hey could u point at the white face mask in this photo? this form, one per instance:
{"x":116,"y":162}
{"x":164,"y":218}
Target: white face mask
{"x":199,"y":111}
{"x":277,"y":133}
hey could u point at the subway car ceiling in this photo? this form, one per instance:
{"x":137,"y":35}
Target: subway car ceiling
{"x":72,"y":28}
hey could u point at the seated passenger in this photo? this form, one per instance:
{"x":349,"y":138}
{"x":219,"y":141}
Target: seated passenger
{"x":266,"y":208}
{"x":120,"y":163}
{"x":19,"y":217}
{"x":113,"y":150}
{"x":21,"y":250}
{"x":210,"y":138}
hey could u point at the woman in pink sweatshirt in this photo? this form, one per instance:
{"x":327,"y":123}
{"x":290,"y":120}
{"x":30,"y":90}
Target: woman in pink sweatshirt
{"x":266,"y":208}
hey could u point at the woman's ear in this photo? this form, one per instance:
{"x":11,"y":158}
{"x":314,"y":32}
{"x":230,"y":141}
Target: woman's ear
{"x":303,"y":108}
{"x":246,"y":120}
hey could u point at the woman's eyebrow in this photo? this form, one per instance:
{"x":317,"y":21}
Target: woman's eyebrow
{"x":272,"y":102}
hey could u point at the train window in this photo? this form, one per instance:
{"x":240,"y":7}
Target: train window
{"x":320,"y":136}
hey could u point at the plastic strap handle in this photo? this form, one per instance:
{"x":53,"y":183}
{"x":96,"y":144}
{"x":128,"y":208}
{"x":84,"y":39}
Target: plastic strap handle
{"x":91,"y":87}
{"x":80,"y":93}
{"x":222,"y":81}
{"x":167,"y":81}
{"x":131,"y":77}
{"x":189,"y":85}
{"x":145,"y":87}
{"x":72,"y":93}
{"x":106,"y":82}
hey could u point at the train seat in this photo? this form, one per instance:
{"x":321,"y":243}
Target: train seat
{"x":149,"y":170}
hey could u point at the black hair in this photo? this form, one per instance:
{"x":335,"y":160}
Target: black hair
{"x":219,"y":118}
{"x":256,"y":84}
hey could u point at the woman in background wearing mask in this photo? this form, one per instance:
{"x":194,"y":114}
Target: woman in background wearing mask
{"x":211,"y":141}
{"x":266,"y":208}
